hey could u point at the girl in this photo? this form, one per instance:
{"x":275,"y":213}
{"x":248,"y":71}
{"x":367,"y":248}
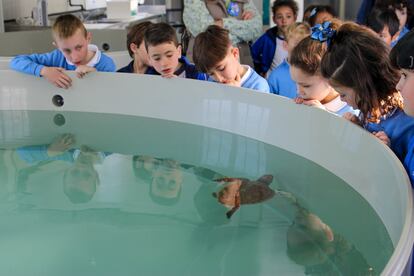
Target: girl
{"x":402,"y":57}
{"x":268,"y":52}
{"x":358,"y":67}
{"x":313,"y":89}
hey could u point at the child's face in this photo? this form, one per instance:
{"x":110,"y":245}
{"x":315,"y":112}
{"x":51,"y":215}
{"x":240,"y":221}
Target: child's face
{"x":227,"y":69}
{"x":75,"y":48}
{"x":164,"y":57}
{"x":322,"y":17}
{"x":166,"y":182}
{"x":406,"y":88}
{"x":385,"y":35}
{"x":347,"y":95}
{"x":140,"y":53}
{"x":310,"y":87}
{"x":283,"y":17}
{"x":402,"y":16}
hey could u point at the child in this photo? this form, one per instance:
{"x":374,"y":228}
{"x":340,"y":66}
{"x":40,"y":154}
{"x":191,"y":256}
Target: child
{"x":307,"y":12}
{"x":136,"y":48}
{"x":164,"y":177}
{"x":385,"y":23}
{"x":279,"y":80}
{"x":402,"y":10}
{"x":320,"y":14}
{"x":215,"y":55}
{"x":74,"y":53}
{"x":402,"y":57}
{"x":268,"y":52}
{"x":313,"y":89}
{"x":358,"y":67}
{"x":165,"y":53}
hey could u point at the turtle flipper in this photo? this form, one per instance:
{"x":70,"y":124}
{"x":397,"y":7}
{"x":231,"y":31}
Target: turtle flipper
{"x":232,"y":211}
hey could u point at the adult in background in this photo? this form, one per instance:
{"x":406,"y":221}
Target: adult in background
{"x":240,"y":17}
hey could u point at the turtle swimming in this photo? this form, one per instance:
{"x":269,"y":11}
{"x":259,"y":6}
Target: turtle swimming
{"x":239,"y":191}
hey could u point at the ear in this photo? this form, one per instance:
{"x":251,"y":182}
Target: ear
{"x":235,"y":52}
{"x":179,"y":49}
{"x":89,"y":37}
{"x":133,"y":47}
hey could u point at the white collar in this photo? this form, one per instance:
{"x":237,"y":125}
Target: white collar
{"x":335,"y":105}
{"x":246,"y":75}
{"x":95,"y":59}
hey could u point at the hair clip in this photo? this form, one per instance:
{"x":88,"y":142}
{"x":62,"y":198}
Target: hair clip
{"x":313,"y":12}
{"x":323,"y":32}
{"x":412,"y":62}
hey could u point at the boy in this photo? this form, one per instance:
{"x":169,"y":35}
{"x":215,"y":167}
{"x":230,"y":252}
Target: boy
{"x":215,"y":55}
{"x":165,"y":54}
{"x":385,"y":23}
{"x":74,"y":53}
{"x":136,"y":49}
{"x":267,"y":52}
{"x":280,"y":81}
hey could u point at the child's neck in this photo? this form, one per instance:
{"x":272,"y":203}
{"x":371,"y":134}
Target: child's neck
{"x":330,"y":97}
{"x":140,"y":67}
{"x":242,"y":70}
{"x":89,"y":57}
{"x":179,"y":65}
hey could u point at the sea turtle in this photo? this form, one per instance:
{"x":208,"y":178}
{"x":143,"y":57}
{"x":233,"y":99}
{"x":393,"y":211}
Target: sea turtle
{"x":239,"y":191}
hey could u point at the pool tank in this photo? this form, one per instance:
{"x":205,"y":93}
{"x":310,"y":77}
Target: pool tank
{"x":124,"y":174}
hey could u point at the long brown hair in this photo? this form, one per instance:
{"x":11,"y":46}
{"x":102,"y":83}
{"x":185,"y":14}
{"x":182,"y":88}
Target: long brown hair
{"x":357,"y":58}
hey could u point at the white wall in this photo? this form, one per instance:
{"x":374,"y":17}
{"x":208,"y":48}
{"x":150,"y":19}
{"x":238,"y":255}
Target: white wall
{"x":23,"y":8}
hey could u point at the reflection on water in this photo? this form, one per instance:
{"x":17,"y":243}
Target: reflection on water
{"x":140,"y":196}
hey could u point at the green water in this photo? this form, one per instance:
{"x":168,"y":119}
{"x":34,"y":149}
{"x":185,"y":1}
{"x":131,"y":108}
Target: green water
{"x":124,"y":195}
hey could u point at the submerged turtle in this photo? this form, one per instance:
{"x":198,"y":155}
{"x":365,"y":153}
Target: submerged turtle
{"x":239,"y":191}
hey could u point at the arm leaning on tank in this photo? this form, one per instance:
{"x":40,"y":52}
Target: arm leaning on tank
{"x":34,"y":63}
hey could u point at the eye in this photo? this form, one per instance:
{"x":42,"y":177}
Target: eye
{"x":221,"y":69}
{"x":157,"y":59}
{"x":169,"y":56}
{"x":78,"y":48}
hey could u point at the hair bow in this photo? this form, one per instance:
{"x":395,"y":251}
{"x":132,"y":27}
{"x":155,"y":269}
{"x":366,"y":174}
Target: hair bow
{"x":323,"y":32}
{"x":313,"y":12}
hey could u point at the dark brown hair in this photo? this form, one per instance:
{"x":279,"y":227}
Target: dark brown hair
{"x":357,"y":58}
{"x":402,"y":54}
{"x":286,"y":3}
{"x":210,"y":48}
{"x":136,"y":35}
{"x":160,"y":33}
{"x":66,"y":25}
{"x":378,"y":19}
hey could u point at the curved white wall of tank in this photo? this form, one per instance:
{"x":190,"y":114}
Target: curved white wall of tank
{"x":309,"y":132}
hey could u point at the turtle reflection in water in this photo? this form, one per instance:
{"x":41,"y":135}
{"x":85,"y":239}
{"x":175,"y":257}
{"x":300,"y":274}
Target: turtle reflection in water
{"x":239,"y":191}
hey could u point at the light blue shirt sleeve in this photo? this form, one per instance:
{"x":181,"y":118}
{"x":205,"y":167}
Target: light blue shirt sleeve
{"x":33,"y":64}
{"x":105,"y":64}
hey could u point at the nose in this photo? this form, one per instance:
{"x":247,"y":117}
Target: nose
{"x":301,"y":91}
{"x":217,"y":77}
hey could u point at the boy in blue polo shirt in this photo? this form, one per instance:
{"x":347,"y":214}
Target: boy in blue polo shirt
{"x":165,"y":56}
{"x":74,"y":53}
{"x":214,"y":54}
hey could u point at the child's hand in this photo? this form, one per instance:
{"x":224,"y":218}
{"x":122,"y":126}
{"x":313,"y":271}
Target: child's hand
{"x":82,"y":70}
{"x":314,"y":103}
{"x":298,"y":100}
{"x":56,"y":76}
{"x":236,"y":82}
{"x":352,"y":118}
{"x":247,"y":15}
{"x":61,"y":144}
{"x":169,"y":76}
{"x":383,"y":137}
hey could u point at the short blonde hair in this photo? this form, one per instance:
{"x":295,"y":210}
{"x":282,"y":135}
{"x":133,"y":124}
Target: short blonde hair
{"x":300,"y":30}
{"x":66,"y":25}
